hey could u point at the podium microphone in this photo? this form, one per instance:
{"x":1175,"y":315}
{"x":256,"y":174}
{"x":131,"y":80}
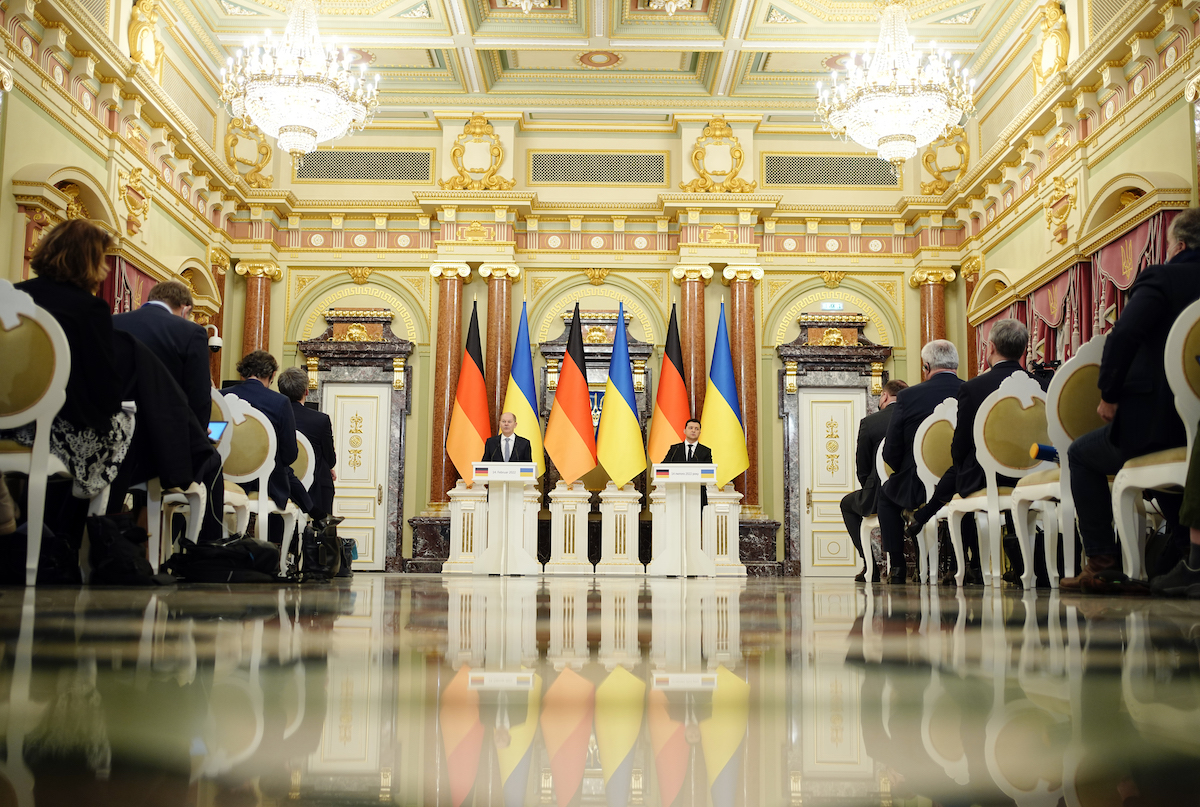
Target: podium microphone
{"x":1041,"y":451}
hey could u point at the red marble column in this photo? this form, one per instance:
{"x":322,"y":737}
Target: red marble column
{"x":498,"y":359}
{"x":743,"y":342}
{"x":932,"y":283}
{"x":447,"y":359}
{"x":219,"y":262}
{"x":256,"y":329}
{"x":692,"y":280}
{"x":972,"y":268}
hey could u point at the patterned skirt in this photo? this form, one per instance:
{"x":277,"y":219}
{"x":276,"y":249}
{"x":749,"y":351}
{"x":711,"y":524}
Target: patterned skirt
{"x":91,"y":457}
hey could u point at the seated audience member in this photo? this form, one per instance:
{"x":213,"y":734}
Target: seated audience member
{"x":162,"y":325}
{"x":316,"y":426}
{"x":257,"y":370}
{"x":903,"y":490}
{"x":1007,"y":343}
{"x":1137,"y":403}
{"x":861,"y":503}
{"x":1184,"y":579}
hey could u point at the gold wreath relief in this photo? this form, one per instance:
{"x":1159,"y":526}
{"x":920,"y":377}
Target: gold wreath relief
{"x":939,"y":184}
{"x":255,"y":177}
{"x":477,"y":130}
{"x":718,"y":133}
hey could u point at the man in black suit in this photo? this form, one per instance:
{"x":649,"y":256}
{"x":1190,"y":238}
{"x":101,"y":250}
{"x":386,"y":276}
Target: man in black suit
{"x":903,"y":490}
{"x":507,"y":446}
{"x":316,"y":426}
{"x":258,"y":371}
{"x":691,"y":450}
{"x":861,"y":503}
{"x":1136,"y":401}
{"x":181,"y":345}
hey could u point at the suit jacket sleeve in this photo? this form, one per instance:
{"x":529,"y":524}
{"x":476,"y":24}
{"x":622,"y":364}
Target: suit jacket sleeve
{"x":864,"y":456}
{"x":1141,"y":317}
{"x":525,"y":452}
{"x":287,"y":450}
{"x":327,"y":450}
{"x":893,"y":444}
{"x":196,"y":379}
{"x":962,"y":444}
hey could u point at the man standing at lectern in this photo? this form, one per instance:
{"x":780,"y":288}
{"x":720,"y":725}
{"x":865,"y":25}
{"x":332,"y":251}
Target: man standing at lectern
{"x":507,"y":446}
{"x":691,"y":450}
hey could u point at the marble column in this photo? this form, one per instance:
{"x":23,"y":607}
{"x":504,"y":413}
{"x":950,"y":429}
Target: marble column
{"x":692,"y":280}
{"x":256,"y":329}
{"x":218,"y":260}
{"x":932,"y":283}
{"x":971,"y":269}
{"x":742,"y":281}
{"x":447,"y":359}
{"x":497,"y":360}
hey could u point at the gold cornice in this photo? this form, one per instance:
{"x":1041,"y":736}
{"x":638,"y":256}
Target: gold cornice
{"x":267,"y":269}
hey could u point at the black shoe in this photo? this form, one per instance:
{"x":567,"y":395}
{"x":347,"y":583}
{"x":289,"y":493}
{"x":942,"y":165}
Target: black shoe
{"x":897,"y":576}
{"x":1182,"y":581}
{"x":861,"y":577}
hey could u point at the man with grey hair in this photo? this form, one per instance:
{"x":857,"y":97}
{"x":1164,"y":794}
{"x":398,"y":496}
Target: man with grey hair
{"x":316,"y":426}
{"x":1137,"y":403}
{"x":903,"y":490}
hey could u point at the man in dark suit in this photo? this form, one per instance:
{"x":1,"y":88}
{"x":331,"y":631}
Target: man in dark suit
{"x":1136,"y":401}
{"x":180,"y":344}
{"x":691,"y":450}
{"x":903,"y":489}
{"x":507,"y":446}
{"x":861,"y":503}
{"x":258,"y":371}
{"x":316,"y":426}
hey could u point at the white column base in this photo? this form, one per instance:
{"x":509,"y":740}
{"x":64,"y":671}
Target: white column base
{"x":468,"y":527}
{"x":619,"y":531}
{"x":721,"y":523}
{"x":569,"y":507}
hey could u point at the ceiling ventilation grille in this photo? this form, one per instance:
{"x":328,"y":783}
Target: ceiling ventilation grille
{"x":799,"y":170}
{"x":98,"y":9}
{"x":597,"y":168}
{"x":1101,"y":13}
{"x":348,"y":165}
{"x":1005,"y":110}
{"x":190,"y":102}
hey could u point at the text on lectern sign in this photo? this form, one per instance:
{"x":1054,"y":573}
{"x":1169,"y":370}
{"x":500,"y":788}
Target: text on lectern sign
{"x":504,"y":471}
{"x":685,"y":472}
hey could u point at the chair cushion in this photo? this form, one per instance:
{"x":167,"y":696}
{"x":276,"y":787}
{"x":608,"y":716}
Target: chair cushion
{"x":982,"y":492}
{"x":233,"y":487}
{"x":1158,"y":458}
{"x":1040,"y":478}
{"x":13,"y":447}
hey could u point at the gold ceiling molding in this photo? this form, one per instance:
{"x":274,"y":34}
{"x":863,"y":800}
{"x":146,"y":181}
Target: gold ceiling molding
{"x":939,"y":184}
{"x":145,"y":47}
{"x":726,"y":161}
{"x":1050,"y":58}
{"x":254,"y":177}
{"x":477,"y":131}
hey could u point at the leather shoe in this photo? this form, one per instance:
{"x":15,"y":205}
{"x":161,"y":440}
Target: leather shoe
{"x":1102,"y":575}
{"x":897,"y":576}
{"x":861,"y":577}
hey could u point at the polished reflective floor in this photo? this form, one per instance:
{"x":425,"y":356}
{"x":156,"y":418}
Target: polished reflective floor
{"x":425,"y":690}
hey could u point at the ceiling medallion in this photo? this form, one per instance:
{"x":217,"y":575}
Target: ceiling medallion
{"x":599,"y":59}
{"x":297,"y":90}
{"x":670,"y":6}
{"x":888,"y":102}
{"x":528,"y":5}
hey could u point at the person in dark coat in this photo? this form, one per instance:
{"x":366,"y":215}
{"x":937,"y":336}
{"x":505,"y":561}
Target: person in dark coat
{"x":861,"y":503}
{"x":519,"y":449}
{"x":316,"y":426}
{"x":691,"y":450}
{"x":1136,"y":401}
{"x":903,"y":490}
{"x":181,"y":345}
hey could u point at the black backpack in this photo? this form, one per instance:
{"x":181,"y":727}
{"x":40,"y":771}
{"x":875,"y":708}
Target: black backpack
{"x":118,"y":553}
{"x":320,"y":552}
{"x":240,"y":560}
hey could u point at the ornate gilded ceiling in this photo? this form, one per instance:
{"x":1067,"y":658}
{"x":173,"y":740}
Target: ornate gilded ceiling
{"x":612,"y":56}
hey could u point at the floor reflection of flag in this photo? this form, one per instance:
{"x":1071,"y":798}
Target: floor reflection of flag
{"x":515,"y":759}
{"x":620,"y":703}
{"x":566,"y":728}
{"x":462,"y":735}
{"x":670,"y":747}
{"x":723,"y":734}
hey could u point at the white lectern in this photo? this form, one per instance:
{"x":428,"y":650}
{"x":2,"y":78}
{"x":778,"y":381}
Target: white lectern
{"x":678,"y":546}
{"x":511,"y":549}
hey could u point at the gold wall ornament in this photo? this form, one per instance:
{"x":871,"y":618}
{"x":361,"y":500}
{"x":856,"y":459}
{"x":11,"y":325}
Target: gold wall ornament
{"x":596,"y":335}
{"x":718,"y":234}
{"x":145,"y":47}
{"x":1192,"y":91}
{"x":313,"y":366}
{"x":596,"y":276}
{"x":939,"y":184}
{"x":187,"y":278}
{"x":682,"y":272}
{"x":75,"y":208}
{"x":476,"y":232}
{"x":132,"y":190}
{"x":833,"y":279}
{"x":477,"y":141}
{"x":925,"y":277}
{"x":876,"y":378}
{"x":360,"y":274}
{"x":242,"y":127}
{"x":790,"y":374}
{"x":1124,"y":200}
{"x":1059,"y":206}
{"x":266,"y":269}
{"x":398,"y":372}
{"x":355,"y":332}
{"x":218,"y":259}
{"x":717,"y":157}
{"x":972,"y":268}
{"x":832,"y":337}
{"x":1050,"y":58}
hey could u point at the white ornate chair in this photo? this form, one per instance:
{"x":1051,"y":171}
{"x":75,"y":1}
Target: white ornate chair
{"x":305,"y":468}
{"x":1071,"y":413}
{"x":1162,"y":470}
{"x":871,"y":523}
{"x":1009,"y":421}
{"x":931,"y":450}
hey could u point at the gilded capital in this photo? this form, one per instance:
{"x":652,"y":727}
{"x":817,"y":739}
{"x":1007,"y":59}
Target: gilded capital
{"x":929,"y":277}
{"x":267,"y":269}
{"x":500,"y":270}
{"x":447,"y":271}
{"x":972,"y":268}
{"x":218,"y":259}
{"x":744,"y":274}
{"x":692,"y":272}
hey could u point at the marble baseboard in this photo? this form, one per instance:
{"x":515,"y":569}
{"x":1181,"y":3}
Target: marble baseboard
{"x":757,"y":547}
{"x":764,"y":569}
{"x":431,"y":544}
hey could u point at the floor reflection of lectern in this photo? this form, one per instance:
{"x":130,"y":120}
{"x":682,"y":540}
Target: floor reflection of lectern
{"x":510,"y":548}
{"x":678,"y":546}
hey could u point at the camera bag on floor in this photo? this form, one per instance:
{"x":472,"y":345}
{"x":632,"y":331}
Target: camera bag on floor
{"x":240,"y":560}
{"x":320,"y":551}
{"x":118,"y":553}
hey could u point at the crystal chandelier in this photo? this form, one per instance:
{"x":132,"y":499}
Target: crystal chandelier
{"x":297,"y":90}
{"x":671,"y":6}
{"x":528,"y":5}
{"x":888,"y":102}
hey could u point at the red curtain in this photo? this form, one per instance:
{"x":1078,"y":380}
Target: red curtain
{"x":983,"y":330}
{"x":126,"y":286}
{"x":1117,"y":265}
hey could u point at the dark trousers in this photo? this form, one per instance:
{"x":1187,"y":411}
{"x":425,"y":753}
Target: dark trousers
{"x":1093,"y":459}
{"x":891,"y":527}
{"x":854,"y":526}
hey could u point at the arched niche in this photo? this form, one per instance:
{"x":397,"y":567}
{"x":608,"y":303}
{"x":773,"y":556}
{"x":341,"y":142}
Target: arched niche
{"x":647,"y":322}
{"x":884,"y":323}
{"x":1108,"y":201}
{"x":91,"y":190}
{"x":306,"y":310}
{"x":992,"y":283}
{"x":206,"y":298}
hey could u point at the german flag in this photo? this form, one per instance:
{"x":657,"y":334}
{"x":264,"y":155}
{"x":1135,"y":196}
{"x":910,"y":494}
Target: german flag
{"x":470,"y":425}
{"x":570,"y":435}
{"x":671,"y":410}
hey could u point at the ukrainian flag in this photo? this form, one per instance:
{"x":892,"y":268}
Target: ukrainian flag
{"x":619,"y":445}
{"x":722,"y":419}
{"x":520,"y":397}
